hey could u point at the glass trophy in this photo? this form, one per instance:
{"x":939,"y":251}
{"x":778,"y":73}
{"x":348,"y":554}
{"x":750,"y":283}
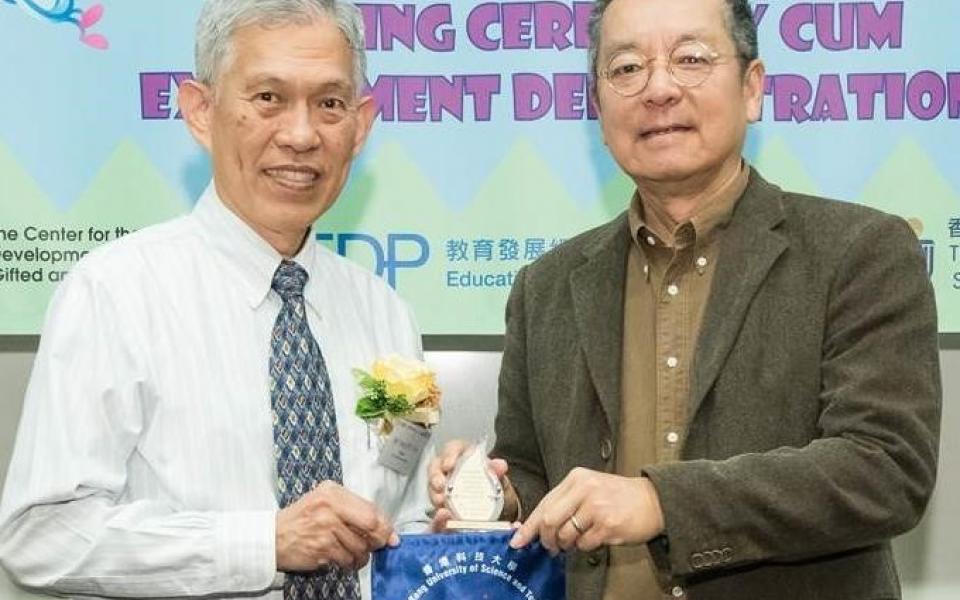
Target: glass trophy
{"x":474,"y":494}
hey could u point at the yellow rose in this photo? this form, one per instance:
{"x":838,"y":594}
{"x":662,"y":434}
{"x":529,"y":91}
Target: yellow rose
{"x":411,"y":378}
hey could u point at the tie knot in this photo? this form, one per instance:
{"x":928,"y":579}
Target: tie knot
{"x":289,"y":280}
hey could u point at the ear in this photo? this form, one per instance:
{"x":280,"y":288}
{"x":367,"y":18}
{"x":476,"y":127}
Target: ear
{"x":366,"y":111}
{"x":196,"y":105}
{"x":753,"y":84}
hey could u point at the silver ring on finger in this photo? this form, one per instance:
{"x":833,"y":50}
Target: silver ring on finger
{"x":577,"y":524}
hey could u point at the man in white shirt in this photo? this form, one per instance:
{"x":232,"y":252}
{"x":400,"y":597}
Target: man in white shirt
{"x":146,"y":463}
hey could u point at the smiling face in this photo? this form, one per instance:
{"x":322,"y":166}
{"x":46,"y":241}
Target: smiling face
{"x":668,"y":134}
{"x":282,"y":125}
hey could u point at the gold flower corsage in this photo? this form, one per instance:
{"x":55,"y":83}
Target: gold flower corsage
{"x":396,"y":387}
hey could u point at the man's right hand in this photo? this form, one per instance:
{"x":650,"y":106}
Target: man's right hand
{"x":328,"y":525}
{"x":440,"y":469}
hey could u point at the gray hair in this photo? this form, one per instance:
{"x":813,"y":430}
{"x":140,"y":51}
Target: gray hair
{"x":740,"y":24}
{"x":219,"y":20}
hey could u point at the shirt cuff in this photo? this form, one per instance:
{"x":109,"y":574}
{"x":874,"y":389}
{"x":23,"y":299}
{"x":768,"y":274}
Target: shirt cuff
{"x":512,"y":507}
{"x":246,"y":550}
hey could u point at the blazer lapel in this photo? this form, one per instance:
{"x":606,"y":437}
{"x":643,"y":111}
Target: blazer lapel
{"x":597,"y":290}
{"x":750,"y":246}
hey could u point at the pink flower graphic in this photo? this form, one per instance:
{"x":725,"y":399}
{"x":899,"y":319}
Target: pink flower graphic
{"x":65,"y":11}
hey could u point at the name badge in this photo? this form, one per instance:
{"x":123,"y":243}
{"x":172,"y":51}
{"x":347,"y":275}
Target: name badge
{"x":401,"y":449}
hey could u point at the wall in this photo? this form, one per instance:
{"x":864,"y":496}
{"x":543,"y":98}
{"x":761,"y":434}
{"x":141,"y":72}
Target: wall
{"x":927,"y":555}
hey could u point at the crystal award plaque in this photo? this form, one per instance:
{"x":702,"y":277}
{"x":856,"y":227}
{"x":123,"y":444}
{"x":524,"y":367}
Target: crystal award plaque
{"x":474,"y":494}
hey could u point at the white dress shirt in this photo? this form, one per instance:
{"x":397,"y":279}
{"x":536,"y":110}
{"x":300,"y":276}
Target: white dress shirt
{"x":144,"y":461}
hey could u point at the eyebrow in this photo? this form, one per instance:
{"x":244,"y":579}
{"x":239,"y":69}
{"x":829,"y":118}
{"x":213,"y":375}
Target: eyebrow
{"x":690,"y":36}
{"x":258,"y":80}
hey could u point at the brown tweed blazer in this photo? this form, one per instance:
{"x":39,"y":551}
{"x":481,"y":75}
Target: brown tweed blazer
{"x":814,"y":410}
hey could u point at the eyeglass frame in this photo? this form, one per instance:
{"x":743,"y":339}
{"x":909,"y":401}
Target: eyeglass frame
{"x":713,"y":55}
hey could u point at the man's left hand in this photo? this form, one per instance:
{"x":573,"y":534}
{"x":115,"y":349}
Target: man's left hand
{"x":590,"y":509}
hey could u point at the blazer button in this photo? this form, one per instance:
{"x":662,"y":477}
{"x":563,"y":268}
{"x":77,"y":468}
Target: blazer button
{"x":727,"y":554}
{"x":606,"y":449}
{"x":593,"y":559}
{"x":696,"y":560}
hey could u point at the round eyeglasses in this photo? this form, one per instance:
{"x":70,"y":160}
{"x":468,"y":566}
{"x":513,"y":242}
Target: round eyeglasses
{"x":689,"y":64}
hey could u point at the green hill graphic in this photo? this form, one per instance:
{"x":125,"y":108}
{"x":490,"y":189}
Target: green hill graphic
{"x":24,"y":209}
{"x":616,"y":195}
{"x":22,"y":199}
{"x":129,"y":191}
{"x":909,"y":184}
{"x":777,"y":163}
{"x":390,"y":195}
{"x":520,"y":205}
{"x":523,"y":197}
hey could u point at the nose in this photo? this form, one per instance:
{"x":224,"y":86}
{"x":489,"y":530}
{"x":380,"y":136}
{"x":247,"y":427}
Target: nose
{"x":297,"y":131}
{"x":661,"y":89}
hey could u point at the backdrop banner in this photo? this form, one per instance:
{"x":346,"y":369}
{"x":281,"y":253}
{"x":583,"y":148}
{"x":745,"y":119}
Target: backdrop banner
{"x":486,"y":151}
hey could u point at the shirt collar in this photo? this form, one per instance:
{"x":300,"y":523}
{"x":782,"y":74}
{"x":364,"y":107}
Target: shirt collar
{"x":254,"y":260}
{"x":712,"y":214}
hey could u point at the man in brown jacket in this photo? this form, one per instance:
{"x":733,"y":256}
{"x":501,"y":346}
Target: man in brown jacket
{"x":729,"y":391}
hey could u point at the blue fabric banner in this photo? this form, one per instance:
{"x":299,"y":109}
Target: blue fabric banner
{"x":463,"y":566}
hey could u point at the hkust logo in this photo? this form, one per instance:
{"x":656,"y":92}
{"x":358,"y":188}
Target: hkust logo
{"x":927,"y":246}
{"x":61,"y":12}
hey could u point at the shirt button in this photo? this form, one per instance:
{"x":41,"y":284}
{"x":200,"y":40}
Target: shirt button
{"x":673,"y":437}
{"x":673,"y":290}
{"x":672,"y":361}
{"x":702,"y":261}
{"x":646,"y":269}
{"x":677,"y":591}
{"x":651,"y":240}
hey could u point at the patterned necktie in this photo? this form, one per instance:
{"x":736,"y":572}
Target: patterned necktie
{"x":305,"y":441}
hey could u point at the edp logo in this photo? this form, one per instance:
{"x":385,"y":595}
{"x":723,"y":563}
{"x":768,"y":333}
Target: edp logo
{"x":399,"y":251}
